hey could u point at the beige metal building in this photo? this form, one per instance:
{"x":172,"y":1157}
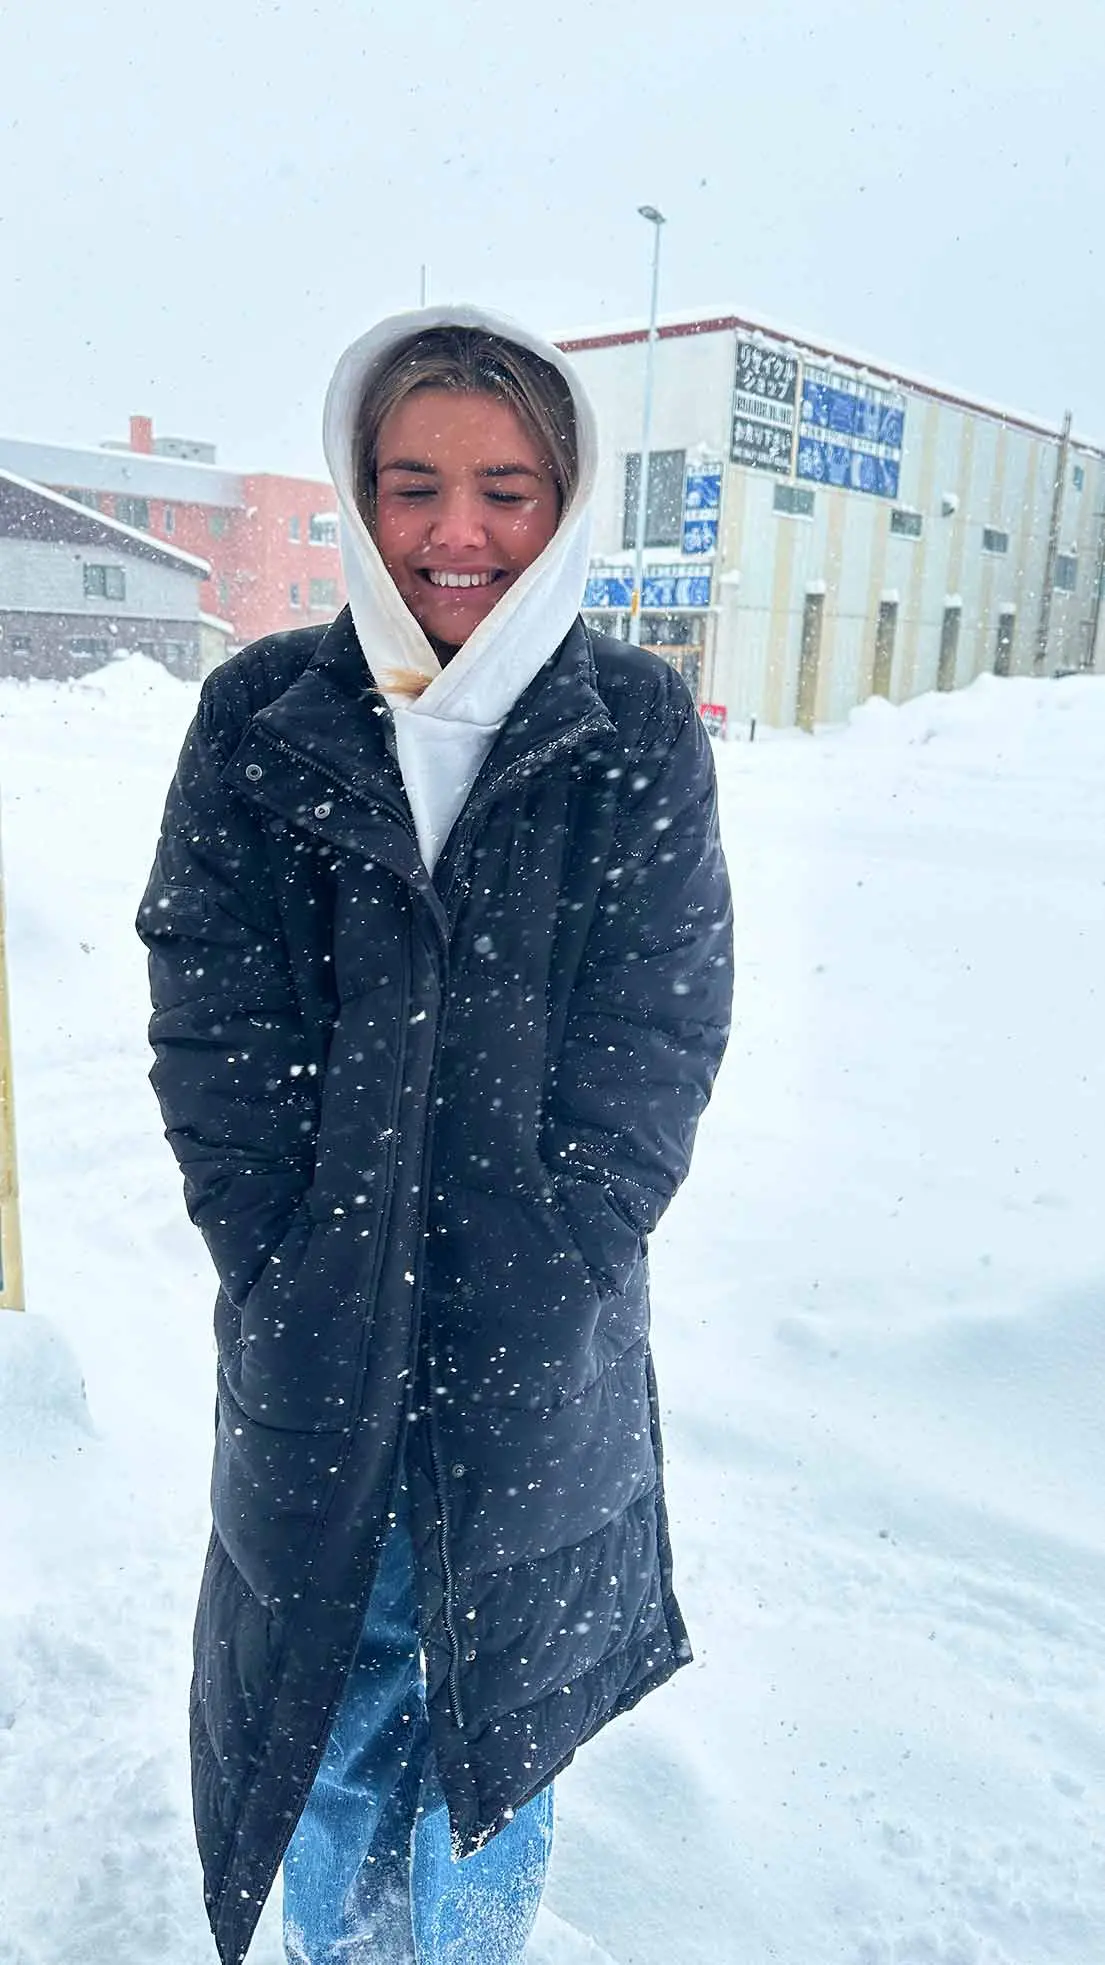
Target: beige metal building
{"x":821,"y":529}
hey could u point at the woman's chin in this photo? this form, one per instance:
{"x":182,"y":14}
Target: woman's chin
{"x":450,"y":626}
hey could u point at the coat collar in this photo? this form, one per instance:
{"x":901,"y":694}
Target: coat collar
{"x":334,"y":714}
{"x":327,"y":742}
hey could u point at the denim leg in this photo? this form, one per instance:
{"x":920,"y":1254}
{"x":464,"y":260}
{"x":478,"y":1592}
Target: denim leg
{"x":368,"y":1875}
{"x":482,"y":1910}
{"x":347,"y":1868}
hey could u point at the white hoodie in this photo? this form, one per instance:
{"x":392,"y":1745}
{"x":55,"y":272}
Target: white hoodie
{"x":443,"y":736}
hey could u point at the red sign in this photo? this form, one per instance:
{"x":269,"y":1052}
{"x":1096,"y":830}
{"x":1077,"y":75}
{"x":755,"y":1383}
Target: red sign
{"x":716,"y":718}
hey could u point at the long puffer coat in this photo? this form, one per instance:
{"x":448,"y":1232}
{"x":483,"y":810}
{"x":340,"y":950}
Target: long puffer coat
{"x":426,"y":1127}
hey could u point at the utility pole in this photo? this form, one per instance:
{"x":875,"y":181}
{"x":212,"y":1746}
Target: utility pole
{"x":657,"y":221}
{"x":1054,"y":529}
{"x":423,"y":286}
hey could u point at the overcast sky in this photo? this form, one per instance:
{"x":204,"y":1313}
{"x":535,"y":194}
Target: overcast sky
{"x":200,"y":205}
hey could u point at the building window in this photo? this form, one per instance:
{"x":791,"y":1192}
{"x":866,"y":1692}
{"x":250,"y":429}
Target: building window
{"x":216,"y":524}
{"x":1003,"y":653}
{"x":322,"y":529}
{"x":791,"y":498}
{"x":809,"y":660}
{"x":105,"y":583}
{"x":906,"y":524}
{"x":949,"y":647}
{"x":293,"y":594}
{"x":170,"y":520}
{"x":1066,"y":572}
{"x":91,"y":499}
{"x":322,"y":593}
{"x":82,"y":649}
{"x":993,"y":541}
{"x":293,"y":528}
{"x":886,"y":632}
{"x":133,"y":511}
{"x":224,"y":594}
{"x":664,"y":514}
{"x":671,"y":630}
{"x":1079,"y":476}
{"x":20,"y":646}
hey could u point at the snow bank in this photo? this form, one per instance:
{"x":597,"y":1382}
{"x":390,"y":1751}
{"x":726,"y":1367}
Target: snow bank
{"x":41,"y":1387}
{"x":134,"y":678}
{"x":880,"y":1347}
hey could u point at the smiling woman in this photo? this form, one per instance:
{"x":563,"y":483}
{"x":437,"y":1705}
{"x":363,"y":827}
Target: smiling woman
{"x":441,"y":961}
{"x":464,"y":458}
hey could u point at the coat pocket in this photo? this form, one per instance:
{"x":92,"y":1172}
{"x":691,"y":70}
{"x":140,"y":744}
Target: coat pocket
{"x":294,"y":1358}
{"x":608,"y":1243}
{"x":522,"y":1315}
{"x":270,"y":1488}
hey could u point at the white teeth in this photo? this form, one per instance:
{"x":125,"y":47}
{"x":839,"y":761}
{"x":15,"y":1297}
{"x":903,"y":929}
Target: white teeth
{"x":460,"y":579}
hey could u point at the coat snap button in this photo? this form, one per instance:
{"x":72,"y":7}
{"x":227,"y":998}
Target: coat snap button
{"x":470,"y":1657}
{"x":324,"y":810}
{"x":458,"y":1470}
{"x":253,"y":772}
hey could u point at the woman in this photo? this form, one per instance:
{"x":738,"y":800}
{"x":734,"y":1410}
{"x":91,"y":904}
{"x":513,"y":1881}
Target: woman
{"x":439,"y":940}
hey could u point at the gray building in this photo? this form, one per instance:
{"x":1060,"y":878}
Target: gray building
{"x":822,"y":529}
{"x":77,"y":588}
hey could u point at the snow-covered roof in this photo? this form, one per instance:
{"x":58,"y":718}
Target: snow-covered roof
{"x":726,"y":321}
{"x":135,"y":473}
{"x":93,"y":523}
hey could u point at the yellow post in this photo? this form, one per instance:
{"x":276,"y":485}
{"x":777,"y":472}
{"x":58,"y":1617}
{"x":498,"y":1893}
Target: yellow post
{"x":11,"y":1251}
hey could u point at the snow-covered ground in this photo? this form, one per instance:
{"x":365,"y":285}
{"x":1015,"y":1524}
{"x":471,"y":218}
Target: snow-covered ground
{"x":880,"y":1321}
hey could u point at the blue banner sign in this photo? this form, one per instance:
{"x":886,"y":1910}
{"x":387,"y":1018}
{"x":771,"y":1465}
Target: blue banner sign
{"x":609,"y":590}
{"x":701,"y":510}
{"x":850,"y":434}
{"x":665,"y":589}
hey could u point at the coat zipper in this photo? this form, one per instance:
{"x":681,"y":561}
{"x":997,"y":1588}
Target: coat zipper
{"x":448,"y":1575}
{"x":566,"y":740}
{"x":447,"y":1572}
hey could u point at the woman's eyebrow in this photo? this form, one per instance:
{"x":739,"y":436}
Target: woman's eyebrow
{"x":425,"y":470}
{"x":409,"y":464}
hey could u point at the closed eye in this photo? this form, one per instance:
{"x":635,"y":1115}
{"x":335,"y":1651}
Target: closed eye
{"x":412,"y":493}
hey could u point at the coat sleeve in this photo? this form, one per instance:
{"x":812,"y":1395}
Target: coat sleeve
{"x":649,"y":1013}
{"x":237,"y":1090}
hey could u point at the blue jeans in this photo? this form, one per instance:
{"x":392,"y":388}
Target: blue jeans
{"x":369,"y":1877}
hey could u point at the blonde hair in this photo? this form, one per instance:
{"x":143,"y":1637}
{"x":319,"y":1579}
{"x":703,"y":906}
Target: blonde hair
{"x":473,"y":362}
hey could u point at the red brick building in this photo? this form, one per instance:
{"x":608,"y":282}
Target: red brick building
{"x":271,"y":541}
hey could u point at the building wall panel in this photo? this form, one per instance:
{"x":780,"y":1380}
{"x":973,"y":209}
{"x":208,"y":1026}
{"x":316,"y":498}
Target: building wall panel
{"x":39,"y":576}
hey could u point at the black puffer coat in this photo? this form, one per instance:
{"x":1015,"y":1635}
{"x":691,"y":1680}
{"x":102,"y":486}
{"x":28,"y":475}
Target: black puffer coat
{"x":426,"y":1128}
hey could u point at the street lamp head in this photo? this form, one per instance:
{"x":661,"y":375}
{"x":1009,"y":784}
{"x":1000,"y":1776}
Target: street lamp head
{"x":653,"y":216}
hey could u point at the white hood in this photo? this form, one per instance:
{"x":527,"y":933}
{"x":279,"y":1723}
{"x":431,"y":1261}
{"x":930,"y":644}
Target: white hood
{"x":443,"y":736}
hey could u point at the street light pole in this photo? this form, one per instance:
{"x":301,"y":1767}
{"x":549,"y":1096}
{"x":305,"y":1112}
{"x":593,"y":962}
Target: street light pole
{"x":657,"y":221}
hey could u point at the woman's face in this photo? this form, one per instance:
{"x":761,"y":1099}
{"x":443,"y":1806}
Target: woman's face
{"x":465,"y":501}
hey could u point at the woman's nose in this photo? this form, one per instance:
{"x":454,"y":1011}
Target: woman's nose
{"x":459,"y":521}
